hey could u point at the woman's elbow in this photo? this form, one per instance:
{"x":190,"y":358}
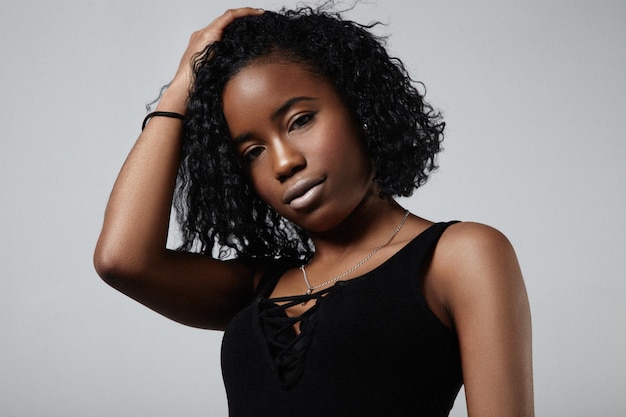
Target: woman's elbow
{"x":116,"y":266}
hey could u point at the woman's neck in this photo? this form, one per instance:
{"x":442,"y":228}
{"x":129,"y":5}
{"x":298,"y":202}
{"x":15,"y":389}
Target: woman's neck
{"x":369,"y":225}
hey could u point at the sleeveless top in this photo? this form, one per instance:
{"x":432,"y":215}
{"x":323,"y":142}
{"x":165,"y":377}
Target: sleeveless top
{"x":370,"y":346}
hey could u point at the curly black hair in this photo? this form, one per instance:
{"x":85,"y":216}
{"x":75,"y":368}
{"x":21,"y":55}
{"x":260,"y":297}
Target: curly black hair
{"x":217,"y":210}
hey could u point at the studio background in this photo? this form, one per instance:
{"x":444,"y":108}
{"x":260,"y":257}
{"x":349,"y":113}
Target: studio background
{"x":534,"y":95}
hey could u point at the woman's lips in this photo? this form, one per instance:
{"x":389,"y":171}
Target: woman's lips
{"x":302,"y":192}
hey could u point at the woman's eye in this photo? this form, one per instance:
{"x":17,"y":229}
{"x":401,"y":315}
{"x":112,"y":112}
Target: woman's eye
{"x":301,"y":121}
{"x":252,"y":153}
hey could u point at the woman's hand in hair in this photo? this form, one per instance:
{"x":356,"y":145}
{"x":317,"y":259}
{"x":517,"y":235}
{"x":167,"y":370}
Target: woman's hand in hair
{"x":201,"y":39}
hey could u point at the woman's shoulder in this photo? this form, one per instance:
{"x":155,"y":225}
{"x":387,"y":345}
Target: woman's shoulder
{"x":474,"y":237}
{"x":457,"y":242}
{"x":472,"y":256}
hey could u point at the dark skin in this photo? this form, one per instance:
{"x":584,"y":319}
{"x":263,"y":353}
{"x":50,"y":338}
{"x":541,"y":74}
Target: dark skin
{"x":473,"y":283}
{"x":313,"y":141}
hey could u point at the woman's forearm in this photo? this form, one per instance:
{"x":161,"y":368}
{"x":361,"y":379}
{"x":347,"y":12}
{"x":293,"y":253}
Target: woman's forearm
{"x":137,"y":216}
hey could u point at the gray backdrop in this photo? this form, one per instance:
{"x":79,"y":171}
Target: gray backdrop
{"x":535,"y":99}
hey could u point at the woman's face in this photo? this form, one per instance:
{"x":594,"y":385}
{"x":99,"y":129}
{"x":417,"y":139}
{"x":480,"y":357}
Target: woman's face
{"x":300,"y":145}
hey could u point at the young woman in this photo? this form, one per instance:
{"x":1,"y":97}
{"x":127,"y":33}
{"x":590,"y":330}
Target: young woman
{"x":282,"y":140}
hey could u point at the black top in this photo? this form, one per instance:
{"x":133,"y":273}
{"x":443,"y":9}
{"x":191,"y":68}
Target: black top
{"x":370,"y":346}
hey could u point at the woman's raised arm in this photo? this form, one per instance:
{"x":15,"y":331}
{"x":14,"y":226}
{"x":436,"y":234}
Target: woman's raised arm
{"x":131,"y":252}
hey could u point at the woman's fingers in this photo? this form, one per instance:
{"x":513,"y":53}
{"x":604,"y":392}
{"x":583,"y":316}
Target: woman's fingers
{"x":211,"y":33}
{"x":178,"y":90}
{"x":216,"y":28}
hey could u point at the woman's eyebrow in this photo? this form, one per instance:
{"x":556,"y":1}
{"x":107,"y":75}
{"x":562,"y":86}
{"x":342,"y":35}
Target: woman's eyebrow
{"x":239,"y":139}
{"x":280,"y":111}
{"x":276,"y":114}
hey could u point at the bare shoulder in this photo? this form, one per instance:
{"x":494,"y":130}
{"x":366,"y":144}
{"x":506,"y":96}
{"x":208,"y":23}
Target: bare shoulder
{"x":473,"y":237}
{"x":473,"y":260}
{"x":469,"y":244}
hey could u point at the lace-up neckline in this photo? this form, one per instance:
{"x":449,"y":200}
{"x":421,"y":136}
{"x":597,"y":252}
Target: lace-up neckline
{"x":287,"y":346}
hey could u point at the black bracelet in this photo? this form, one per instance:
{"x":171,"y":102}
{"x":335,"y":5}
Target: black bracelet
{"x":161,"y":113}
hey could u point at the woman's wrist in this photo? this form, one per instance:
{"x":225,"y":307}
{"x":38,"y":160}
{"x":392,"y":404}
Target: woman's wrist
{"x":169,"y":114}
{"x":174,"y":98}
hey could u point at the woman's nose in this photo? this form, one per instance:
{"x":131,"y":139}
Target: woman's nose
{"x":287,"y":160}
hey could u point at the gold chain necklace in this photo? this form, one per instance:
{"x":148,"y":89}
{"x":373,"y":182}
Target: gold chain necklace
{"x":358,"y":265}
